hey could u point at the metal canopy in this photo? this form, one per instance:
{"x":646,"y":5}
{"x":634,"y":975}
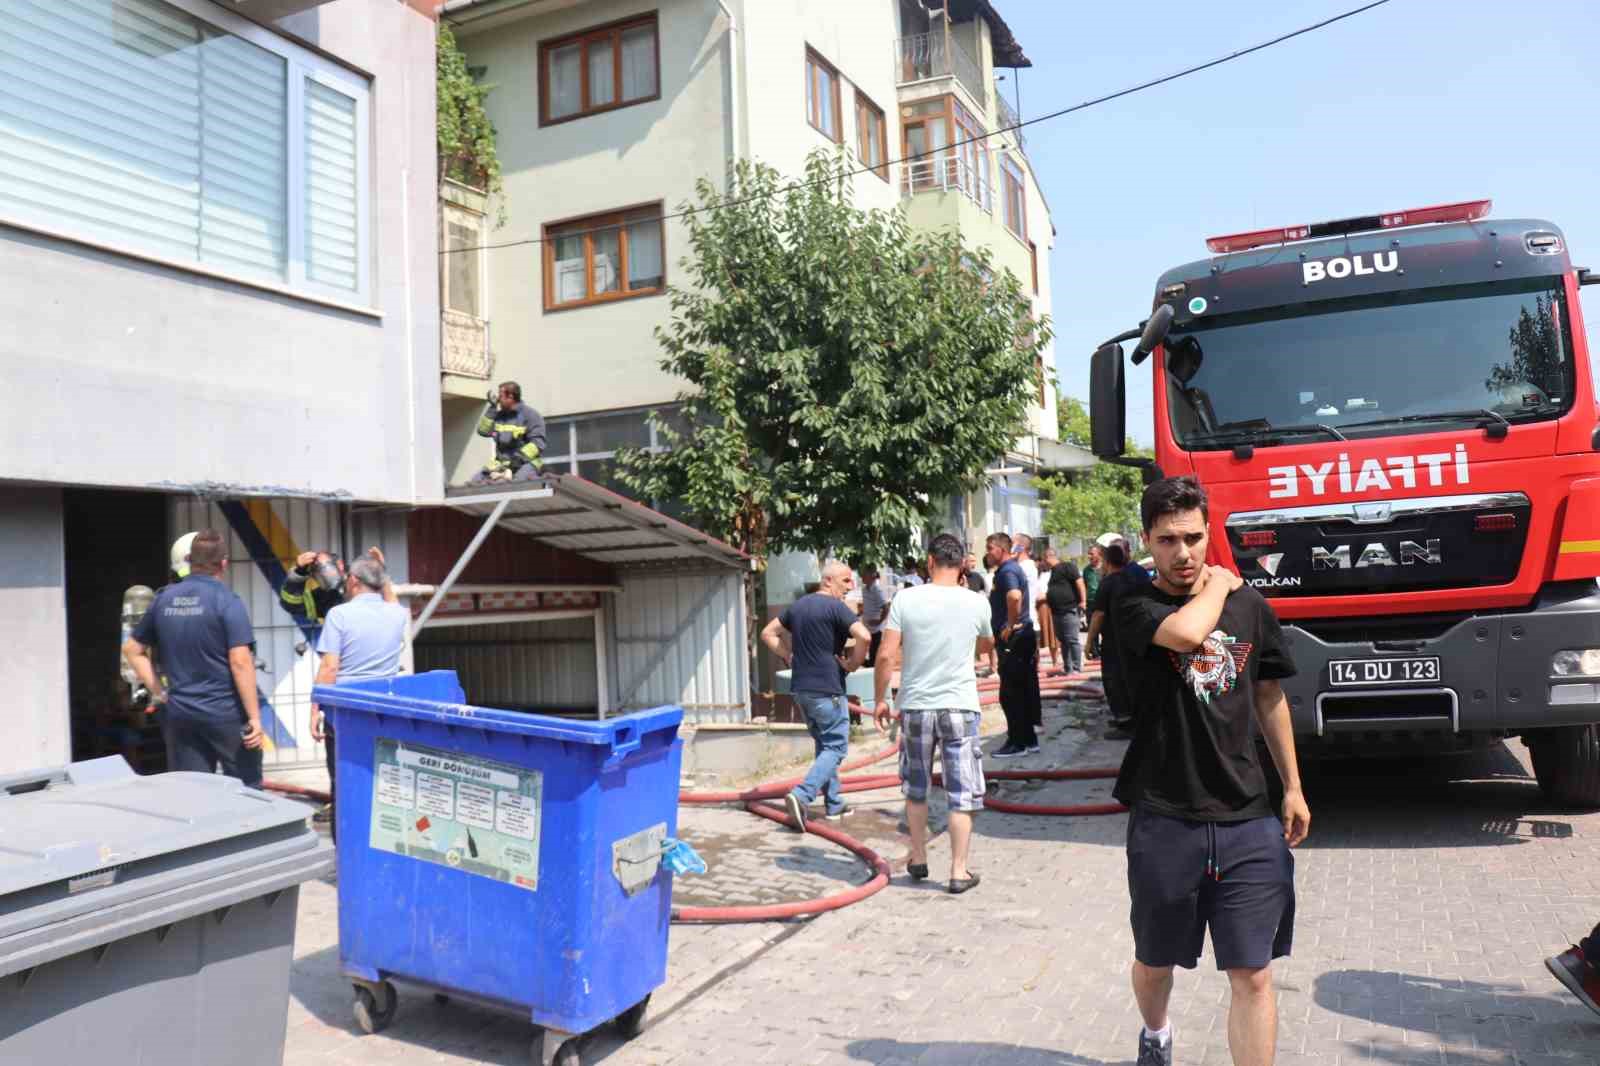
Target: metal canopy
{"x":565,"y":511}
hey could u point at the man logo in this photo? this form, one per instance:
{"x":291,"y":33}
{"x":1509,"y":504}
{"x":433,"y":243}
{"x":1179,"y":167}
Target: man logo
{"x":1269,"y":563}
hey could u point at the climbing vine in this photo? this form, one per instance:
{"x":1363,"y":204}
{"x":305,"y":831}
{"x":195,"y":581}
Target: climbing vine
{"x":466,"y":136}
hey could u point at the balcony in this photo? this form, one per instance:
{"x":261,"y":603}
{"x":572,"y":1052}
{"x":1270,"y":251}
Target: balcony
{"x":937,"y":55}
{"x":464,"y":345}
{"x":947,"y":172}
{"x":1008,"y":117}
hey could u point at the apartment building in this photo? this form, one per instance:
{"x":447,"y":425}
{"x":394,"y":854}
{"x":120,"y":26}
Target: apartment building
{"x":609,"y":111}
{"x":220,"y":295}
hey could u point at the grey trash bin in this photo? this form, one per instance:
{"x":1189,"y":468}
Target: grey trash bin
{"x":147,"y":919}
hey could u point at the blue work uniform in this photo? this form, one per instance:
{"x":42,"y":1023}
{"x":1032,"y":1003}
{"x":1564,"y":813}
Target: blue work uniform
{"x":194,"y":624}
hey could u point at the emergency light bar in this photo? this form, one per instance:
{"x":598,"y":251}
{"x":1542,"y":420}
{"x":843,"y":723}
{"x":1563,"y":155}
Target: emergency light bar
{"x":1465,"y":211}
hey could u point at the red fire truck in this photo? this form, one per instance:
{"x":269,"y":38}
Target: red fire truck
{"x":1395,"y":419}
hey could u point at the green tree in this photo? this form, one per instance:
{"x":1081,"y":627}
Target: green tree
{"x":846,"y":372}
{"x":1087,"y":503}
{"x":466,"y":137}
{"x":1072,"y":421}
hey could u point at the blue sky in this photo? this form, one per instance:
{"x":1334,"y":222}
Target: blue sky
{"x":1416,"y":102}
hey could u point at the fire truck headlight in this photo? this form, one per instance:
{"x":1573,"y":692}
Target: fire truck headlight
{"x":1576,"y":662}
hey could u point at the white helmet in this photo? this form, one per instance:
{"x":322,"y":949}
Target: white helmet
{"x":180,"y":555}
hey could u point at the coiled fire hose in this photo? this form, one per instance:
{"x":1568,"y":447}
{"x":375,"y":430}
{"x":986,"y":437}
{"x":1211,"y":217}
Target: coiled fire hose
{"x":755,"y":801}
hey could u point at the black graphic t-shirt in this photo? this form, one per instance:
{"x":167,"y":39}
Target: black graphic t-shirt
{"x":1193,"y":754}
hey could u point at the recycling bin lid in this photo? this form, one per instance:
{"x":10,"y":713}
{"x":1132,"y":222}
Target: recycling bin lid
{"x":66,"y":830}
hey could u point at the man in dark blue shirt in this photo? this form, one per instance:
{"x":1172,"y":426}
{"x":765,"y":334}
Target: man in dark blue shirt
{"x":809,"y":637}
{"x":1017,"y":643}
{"x":213,"y":717}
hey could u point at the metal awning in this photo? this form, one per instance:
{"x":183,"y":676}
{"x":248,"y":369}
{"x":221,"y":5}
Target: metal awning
{"x":565,"y":511}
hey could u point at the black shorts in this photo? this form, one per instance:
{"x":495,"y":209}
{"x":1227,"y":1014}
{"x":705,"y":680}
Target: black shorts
{"x":1235,"y":877}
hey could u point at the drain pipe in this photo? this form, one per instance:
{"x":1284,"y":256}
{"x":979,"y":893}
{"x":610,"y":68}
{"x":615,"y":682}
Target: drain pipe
{"x":734,"y":98}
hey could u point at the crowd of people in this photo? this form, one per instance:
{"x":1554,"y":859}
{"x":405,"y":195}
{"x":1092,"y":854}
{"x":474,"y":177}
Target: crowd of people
{"x":1192,"y":661}
{"x":194,"y":651}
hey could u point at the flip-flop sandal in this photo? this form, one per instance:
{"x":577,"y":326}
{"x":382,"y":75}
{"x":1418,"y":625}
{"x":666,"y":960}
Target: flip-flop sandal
{"x":918,"y":871}
{"x":964,"y":885}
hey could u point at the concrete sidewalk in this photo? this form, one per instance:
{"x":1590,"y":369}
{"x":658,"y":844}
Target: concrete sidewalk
{"x":1428,"y":896}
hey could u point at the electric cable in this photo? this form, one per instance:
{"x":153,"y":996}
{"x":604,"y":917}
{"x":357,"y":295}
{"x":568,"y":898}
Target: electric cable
{"x":1085,"y":105}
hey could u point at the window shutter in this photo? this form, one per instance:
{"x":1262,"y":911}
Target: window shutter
{"x":244,"y":143}
{"x":332,"y":199}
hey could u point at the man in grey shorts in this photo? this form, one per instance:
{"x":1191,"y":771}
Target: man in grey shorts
{"x":932,"y":634}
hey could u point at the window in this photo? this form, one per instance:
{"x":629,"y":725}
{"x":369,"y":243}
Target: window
{"x":872,"y":136}
{"x":206,"y":142}
{"x":600,"y":69}
{"x":1033,"y":261}
{"x":462,"y":273}
{"x":822,"y":96}
{"x":972,"y":149}
{"x":1012,"y":197}
{"x":587,"y":445}
{"x":604,"y":257}
{"x":949,"y":150}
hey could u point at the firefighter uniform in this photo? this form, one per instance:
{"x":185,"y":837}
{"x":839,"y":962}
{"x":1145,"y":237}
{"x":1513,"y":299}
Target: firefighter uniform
{"x":519,"y":440}
{"x":303,"y":599}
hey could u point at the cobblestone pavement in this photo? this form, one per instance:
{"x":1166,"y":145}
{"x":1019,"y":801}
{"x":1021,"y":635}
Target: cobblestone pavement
{"x":1428,"y":896}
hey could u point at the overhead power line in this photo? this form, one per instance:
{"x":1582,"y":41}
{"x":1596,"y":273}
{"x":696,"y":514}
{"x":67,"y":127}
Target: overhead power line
{"x":1085,"y":105}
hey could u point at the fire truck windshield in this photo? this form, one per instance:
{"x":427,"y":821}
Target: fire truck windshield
{"x":1405,"y":362}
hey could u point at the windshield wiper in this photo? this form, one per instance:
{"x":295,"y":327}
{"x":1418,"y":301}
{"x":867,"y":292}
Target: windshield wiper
{"x":1259,"y":431}
{"x":1497,"y":424}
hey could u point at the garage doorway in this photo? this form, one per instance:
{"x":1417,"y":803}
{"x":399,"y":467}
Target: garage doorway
{"x":113,"y":540}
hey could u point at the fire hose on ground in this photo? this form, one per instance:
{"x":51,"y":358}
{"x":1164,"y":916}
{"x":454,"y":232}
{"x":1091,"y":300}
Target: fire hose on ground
{"x":754,"y":801}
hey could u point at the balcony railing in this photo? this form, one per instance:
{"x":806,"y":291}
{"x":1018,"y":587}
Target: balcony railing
{"x":937,"y":55}
{"x":1007,"y":116}
{"x":947,"y":173}
{"x":464,"y":345}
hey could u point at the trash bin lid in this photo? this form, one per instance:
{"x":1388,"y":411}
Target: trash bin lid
{"x":66,"y":826}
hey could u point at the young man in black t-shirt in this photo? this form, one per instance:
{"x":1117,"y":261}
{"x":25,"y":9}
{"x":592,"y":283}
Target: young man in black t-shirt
{"x":1203,"y":655}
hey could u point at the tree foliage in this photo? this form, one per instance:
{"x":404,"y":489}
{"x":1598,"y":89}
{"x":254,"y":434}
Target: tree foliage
{"x":1087,"y":503}
{"x":466,"y":137}
{"x":846,"y":372}
{"x":1535,"y":352}
{"x":1072,"y":422}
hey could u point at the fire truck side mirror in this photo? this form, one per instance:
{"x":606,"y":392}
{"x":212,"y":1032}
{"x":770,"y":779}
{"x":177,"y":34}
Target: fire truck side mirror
{"x":1155,"y":331}
{"x":1107,"y":408}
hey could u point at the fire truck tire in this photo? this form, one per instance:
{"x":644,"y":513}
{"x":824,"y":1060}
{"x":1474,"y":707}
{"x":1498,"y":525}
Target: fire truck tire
{"x":1566,"y":762}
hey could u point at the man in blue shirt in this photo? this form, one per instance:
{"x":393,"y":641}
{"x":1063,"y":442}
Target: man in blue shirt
{"x":363,"y":638}
{"x":1018,"y":645}
{"x":809,"y":638}
{"x":203,"y":633}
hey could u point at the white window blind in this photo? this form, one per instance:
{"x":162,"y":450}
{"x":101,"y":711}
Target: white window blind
{"x":141,"y":125}
{"x":332,"y":243}
{"x":244,"y":139}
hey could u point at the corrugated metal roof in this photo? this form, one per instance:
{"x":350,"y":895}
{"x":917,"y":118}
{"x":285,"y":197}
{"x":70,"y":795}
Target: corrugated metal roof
{"x":567,"y":512}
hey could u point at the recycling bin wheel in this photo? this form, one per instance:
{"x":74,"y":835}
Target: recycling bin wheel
{"x":370,"y":1015}
{"x":566,"y":1055}
{"x":630,"y":1023}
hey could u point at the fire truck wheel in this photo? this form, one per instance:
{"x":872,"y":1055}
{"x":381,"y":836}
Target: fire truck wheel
{"x":1567,"y":763}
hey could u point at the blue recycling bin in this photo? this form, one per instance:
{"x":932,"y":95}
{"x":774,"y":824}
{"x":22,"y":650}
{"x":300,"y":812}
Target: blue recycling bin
{"x":502,"y":857}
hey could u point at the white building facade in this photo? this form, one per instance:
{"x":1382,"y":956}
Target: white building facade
{"x":221,"y":285}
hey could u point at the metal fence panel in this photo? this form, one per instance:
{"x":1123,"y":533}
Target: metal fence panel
{"x":680,"y":638}
{"x":534,"y":665}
